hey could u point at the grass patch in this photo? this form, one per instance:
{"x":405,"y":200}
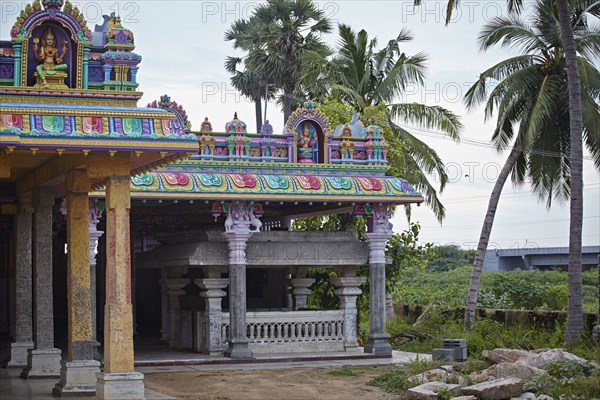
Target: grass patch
{"x":419,"y":366}
{"x":343,"y":371}
{"x":395,"y":382}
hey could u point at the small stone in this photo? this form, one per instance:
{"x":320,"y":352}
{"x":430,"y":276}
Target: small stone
{"x":447,"y":368}
{"x":596,"y":333}
{"x":429,"y":376}
{"x":513,"y":370}
{"x":525,"y":396}
{"x":428,"y":391}
{"x":464,"y":398}
{"x":498,"y":389}
{"x":479,"y":376}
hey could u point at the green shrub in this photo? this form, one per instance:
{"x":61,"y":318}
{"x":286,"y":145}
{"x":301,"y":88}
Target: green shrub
{"x":421,"y":365}
{"x":486,"y":334}
{"x":531,"y":290}
{"x":392,"y":382}
{"x":567,"y":380}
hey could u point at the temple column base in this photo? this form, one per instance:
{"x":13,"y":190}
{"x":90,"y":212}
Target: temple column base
{"x":125,"y":385}
{"x":377,"y":344}
{"x":97,"y":355}
{"x":18,"y":354}
{"x":44,"y":363}
{"x":77,"y":378}
{"x":238,"y":349}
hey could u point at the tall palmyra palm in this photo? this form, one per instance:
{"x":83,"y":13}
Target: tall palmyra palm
{"x":531,"y":100}
{"x":359,"y":74}
{"x":275,"y":38}
{"x":249,"y":84}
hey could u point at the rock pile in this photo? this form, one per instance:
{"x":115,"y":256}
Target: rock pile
{"x":501,"y":381}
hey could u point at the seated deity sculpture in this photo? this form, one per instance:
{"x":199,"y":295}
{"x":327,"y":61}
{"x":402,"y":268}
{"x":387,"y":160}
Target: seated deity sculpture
{"x":305,"y":146}
{"x":51,"y":60}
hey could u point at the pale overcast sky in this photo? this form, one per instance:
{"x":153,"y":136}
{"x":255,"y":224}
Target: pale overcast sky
{"x":183,"y":51}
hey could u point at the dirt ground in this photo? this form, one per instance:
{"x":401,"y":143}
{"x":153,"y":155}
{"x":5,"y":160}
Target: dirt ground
{"x":288,"y":384}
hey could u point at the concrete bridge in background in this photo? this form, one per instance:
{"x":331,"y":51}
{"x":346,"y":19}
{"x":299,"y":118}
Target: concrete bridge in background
{"x":541,"y":258}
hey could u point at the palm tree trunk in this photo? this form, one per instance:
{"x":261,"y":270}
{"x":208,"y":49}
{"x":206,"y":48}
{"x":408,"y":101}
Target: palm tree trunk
{"x":575,"y":284}
{"x":287,"y":104}
{"x":484,"y":238}
{"x":258,"y":111}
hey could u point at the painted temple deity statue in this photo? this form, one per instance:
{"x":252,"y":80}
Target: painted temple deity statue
{"x":51,"y":61}
{"x":306,"y":144}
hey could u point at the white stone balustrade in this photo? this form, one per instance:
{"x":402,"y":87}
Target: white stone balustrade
{"x":290,"y":332}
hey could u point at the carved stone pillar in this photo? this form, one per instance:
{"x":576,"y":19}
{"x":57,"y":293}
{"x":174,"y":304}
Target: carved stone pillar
{"x":78,"y":372}
{"x":44,"y":360}
{"x":238,"y":341}
{"x":300,"y":290}
{"x":175,"y":288}
{"x":348,"y":289}
{"x":237,"y":233}
{"x":95,"y":235}
{"x":119,"y":380}
{"x":380,"y":232}
{"x":23,"y":330}
{"x":212,"y":292}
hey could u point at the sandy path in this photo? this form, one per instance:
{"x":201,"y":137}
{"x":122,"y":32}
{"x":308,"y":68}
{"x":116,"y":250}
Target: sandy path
{"x":289,"y":384}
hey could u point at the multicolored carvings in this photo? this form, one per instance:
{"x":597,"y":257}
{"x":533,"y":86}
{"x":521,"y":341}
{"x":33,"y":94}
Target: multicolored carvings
{"x":265,"y":186}
{"x":84,"y":98}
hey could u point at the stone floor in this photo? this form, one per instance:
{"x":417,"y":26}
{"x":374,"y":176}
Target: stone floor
{"x":12,"y":387}
{"x":160,"y":359}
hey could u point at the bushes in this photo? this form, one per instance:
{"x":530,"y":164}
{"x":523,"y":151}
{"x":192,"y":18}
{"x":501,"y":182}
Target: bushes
{"x":485,"y":334}
{"x":567,"y":380}
{"x":530,"y":290}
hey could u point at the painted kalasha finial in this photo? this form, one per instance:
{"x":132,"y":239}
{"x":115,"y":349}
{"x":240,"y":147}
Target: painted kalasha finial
{"x":381,"y":219}
{"x":52,"y":7}
{"x":165,"y":101}
{"x":309,"y":104}
{"x":266,"y":129}
{"x":206,"y":126}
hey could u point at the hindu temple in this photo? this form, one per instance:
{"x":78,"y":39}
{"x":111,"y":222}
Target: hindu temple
{"x":120,"y":222}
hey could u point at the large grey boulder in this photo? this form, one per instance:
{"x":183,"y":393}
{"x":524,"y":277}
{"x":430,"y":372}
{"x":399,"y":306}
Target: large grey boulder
{"x":498,"y":389}
{"x":545,"y":357}
{"x":505,"y":355}
{"x":514,"y":370}
{"x":429,"y":391}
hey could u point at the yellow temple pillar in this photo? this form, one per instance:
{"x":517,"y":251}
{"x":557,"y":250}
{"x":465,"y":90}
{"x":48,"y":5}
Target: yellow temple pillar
{"x":119,"y":380}
{"x":78,"y":372}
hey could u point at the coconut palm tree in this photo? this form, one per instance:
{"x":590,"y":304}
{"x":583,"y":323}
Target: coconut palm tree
{"x":531,"y":100}
{"x":275,"y":38}
{"x":359,"y":74}
{"x":568,"y":35}
{"x":574,"y":315}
